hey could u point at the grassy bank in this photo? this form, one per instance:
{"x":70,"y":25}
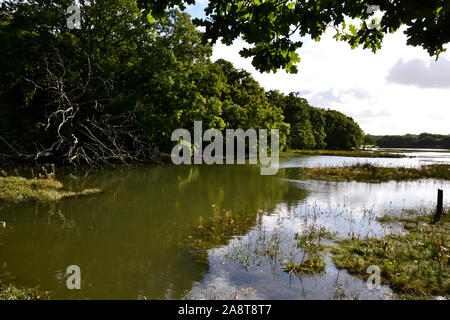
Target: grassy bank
{"x":415,"y":264}
{"x":371,"y":173}
{"x":342,"y":153}
{"x":18,"y":189}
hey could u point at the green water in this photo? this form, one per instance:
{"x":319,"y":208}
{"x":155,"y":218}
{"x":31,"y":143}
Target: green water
{"x":126,"y":240}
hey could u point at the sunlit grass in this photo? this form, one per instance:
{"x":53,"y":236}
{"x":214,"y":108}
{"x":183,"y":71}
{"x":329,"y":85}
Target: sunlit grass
{"x":372,"y":173}
{"x":414,"y":264}
{"x":311,"y":265}
{"x":19,"y":189}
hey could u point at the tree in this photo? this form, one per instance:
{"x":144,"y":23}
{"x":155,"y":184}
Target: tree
{"x":343,"y":133}
{"x":368,"y":141}
{"x":75,"y":91}
{"x":296,"y":112}
{"x":245,"y":104}
{"x":307,"y":124}
{"x":115,"y":90}
{"x":318,"y":126}
{"x":269,"y":26}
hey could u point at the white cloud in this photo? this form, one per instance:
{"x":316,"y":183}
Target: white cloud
{"x":355,"y":82}
{"x":420,"y":73}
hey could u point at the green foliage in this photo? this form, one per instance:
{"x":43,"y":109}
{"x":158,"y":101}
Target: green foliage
{"x":342,"y":132}
{"x":115,"y":90}
{"x":368,"y":141}
{"x":314,"y":128}
{"x":268,"y":26}
{"x":74,"y":92}
{"x":318,"y":123}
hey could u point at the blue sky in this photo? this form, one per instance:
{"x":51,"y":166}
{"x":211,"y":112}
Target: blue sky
{"x":197,"y":10}
{"x":398,"y":90}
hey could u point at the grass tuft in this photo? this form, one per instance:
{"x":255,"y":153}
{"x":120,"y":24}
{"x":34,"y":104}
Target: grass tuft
{"x":311,"y":265}
{"x":17,"y":190}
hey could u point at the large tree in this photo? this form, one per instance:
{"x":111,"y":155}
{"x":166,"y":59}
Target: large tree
{"x":273,"y":27}
{"x":115,"y":89}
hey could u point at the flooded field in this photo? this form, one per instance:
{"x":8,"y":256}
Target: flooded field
{"x":133,"y":240}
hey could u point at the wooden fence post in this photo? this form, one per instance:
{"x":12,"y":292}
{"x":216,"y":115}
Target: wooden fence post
{"x":439,"y":206}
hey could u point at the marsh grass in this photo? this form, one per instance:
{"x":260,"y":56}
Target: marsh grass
{"x":312,"y":265}
{"x":18,"y":189}
{"x":414,"y":264}
{"x":310,"y":241}
{"x":342,"y":153}
{"x":371,"y":173}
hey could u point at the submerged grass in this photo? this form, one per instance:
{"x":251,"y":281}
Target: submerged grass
{"x":371,"y":173}
{"x":342,"y":153}
{"x":215,"y":231}
{"x":415,"y":264}
{"x":312,"y":260}
{"x":18,"y":189}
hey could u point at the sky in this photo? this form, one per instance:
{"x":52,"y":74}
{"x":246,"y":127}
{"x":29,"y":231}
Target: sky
{"x":398,"y":90}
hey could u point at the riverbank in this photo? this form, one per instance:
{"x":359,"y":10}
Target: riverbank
{"x":372,"y":173}
{"x":342,"y":153}
{"x":414,"y":263}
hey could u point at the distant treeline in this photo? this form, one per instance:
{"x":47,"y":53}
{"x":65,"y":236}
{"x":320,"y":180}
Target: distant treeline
{"x":423,"y":140}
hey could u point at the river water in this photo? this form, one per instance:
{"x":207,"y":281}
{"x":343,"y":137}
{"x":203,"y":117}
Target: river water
{"x":126,"y":241}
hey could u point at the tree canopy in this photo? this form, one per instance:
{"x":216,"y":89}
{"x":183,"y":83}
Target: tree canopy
{"x":273,"y":28}
{"x":114,"y":90}
{"x":315,"y":128}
